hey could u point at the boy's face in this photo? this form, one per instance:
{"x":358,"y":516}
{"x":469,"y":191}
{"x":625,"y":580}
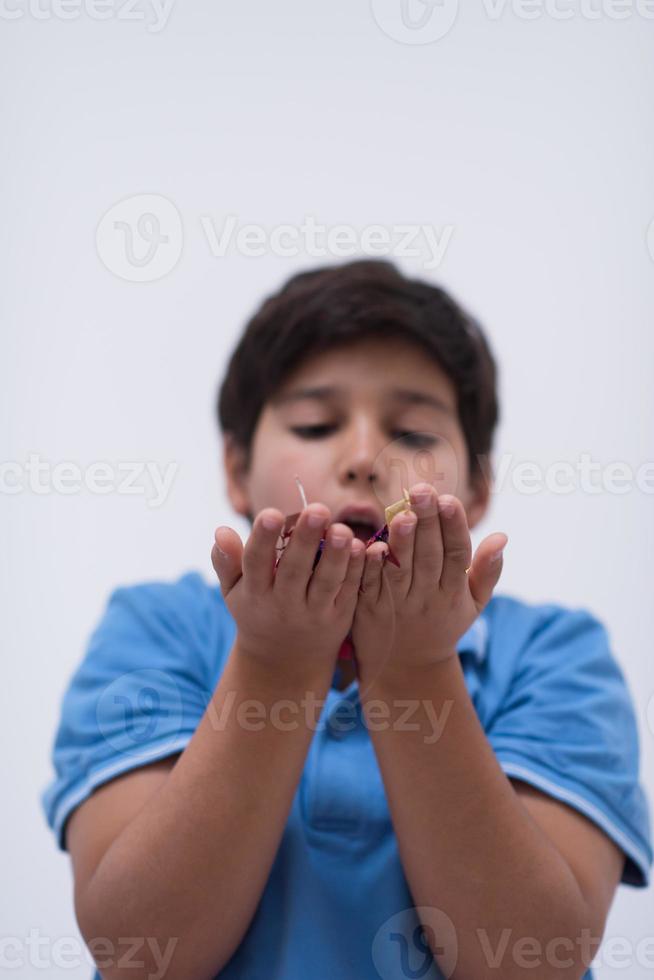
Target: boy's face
{"x":349,"y":446}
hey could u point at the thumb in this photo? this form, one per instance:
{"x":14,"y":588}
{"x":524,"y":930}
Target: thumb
{"x":486,"y":567}
{"x":227,"y":557}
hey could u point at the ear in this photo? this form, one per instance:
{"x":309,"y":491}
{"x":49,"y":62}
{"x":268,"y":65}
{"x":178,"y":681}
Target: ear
{"x":236,"y":471}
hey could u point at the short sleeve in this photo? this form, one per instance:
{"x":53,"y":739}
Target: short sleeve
{"x":138,"y":693}
{"x":567,"y":725}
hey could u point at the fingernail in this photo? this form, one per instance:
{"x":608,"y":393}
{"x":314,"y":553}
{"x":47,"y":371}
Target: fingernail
{"x":338,"y":540}
{"x":270,"y":522}
{"x":421,"y":500}
{"x":446,"y":507}
{"x":357,"y":548}
{"x":498,"y":554}
{"x":315,"y":520}
{"x":223,"y":554}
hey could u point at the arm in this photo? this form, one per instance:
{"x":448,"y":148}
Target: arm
{"x":192,"y":864}
{"x":495,"y":860}
{"x":470,"y":847}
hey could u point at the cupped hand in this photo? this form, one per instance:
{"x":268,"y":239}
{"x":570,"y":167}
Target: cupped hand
{"x":414,"y":615}
{"x":292,"y":616}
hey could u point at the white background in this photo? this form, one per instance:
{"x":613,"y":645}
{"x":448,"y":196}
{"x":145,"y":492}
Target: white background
{"x":531,"y":138}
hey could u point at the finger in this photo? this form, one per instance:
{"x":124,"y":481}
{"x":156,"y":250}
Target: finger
{"x":401,"y":542}
{"x":226,"y":557}
{"x":296,"y":565}
{"x":331,"y":570}
{"x":371,"y":579}
{"x":350,"y":585}
{"x":487,"y":567}
{"x":428,"y":544}
{"x":260,"y":550}
{"x":457,"y":547}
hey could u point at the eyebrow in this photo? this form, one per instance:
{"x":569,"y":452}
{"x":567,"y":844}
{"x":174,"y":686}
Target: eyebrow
{"x":324,"y":392}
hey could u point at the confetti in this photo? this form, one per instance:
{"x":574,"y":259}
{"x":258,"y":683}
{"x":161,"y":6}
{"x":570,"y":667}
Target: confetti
{"x":347,"y":650}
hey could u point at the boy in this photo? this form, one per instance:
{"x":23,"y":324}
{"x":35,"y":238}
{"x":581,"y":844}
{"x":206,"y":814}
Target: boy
{"x":248,"y":807}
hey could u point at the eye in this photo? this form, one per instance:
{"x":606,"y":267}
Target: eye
{"x":312,"y":431}
{"x":416,"y":439}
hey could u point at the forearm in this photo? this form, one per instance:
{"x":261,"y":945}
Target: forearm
{"x":193,"y":864}
{"x":467,"y":845}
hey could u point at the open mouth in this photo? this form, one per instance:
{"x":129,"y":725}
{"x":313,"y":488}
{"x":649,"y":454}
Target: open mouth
{"x":361,"y":529}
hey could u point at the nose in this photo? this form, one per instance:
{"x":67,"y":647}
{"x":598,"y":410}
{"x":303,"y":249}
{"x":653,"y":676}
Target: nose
{"x":360,"y":457}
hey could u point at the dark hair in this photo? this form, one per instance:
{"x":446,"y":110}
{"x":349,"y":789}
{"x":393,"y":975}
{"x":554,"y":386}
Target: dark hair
{"x":335,"y":305}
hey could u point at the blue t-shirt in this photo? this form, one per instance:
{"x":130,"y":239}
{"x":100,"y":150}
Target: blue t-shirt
{"x":547,"y":689}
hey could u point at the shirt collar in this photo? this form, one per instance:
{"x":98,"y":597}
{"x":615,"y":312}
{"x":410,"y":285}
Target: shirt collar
{"x":475,"y":639}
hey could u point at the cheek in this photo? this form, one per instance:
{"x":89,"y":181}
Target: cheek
{"x":272,"y":477}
